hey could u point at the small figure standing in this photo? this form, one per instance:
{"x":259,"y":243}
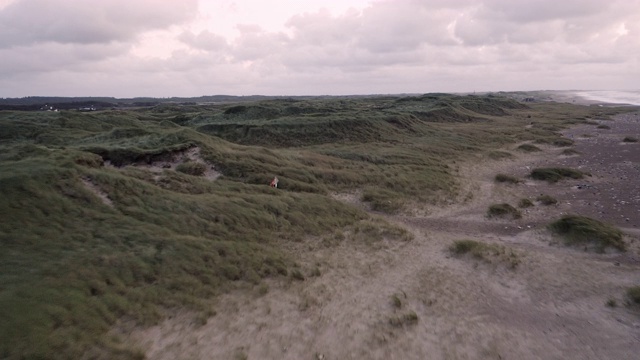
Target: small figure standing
{"x":274,"y":182}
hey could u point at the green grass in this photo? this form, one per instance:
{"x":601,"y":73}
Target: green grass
{"x":72,"y":265}
{"x":503,"y":210}
{"x":489,"y":253}
{"x":581,"y":230}
{"x":553,"y":175}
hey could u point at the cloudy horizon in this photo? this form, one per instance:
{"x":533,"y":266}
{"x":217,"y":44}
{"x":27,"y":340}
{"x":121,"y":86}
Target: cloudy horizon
{"x":190,"y":48}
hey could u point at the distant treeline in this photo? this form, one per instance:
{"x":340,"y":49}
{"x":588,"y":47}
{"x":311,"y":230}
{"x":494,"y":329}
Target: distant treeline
{"x":36,"y":103}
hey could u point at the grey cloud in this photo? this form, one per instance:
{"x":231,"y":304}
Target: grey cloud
{"x":48,"y":57}
{"x":496,"y":21}
{"x":205,"y":40}
{"x":541,"y":10}
{"x":25,"y":22}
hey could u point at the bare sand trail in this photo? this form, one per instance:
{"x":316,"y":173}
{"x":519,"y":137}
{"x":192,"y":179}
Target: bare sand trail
{"x":414,"y":300}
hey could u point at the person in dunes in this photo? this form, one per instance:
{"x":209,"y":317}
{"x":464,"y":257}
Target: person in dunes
{"x":274,"y":182}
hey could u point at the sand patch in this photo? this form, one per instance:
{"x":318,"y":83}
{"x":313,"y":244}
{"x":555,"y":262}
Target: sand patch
{"x":173,"y":160}
{"x":97,"y":191}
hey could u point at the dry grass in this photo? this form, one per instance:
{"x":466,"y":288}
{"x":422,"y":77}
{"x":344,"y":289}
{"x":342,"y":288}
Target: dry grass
{"x":581,"y":230}
{"x":503,"y":210}
{"x":553,"y":175}
{"x":488,"y":253}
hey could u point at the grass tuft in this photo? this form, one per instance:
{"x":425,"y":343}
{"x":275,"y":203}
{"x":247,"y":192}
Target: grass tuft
{"x":407,"y":319}
{"x":547,"y":200}
{"x":503,"y":210}
{"x":503,"y":178}
{"x":553,"y":175}
{"x":633,"y":294}
{"x":395,"y":301}
{"x":192,"y":168}
{"x":525,"y":203}
{"x":528,"y":148}
{"x":488,"y":253}
{"x":581,"y":230}
{"x":570,"y":152}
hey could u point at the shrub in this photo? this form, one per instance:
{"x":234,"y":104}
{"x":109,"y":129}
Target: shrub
{"x":502,"y":210}
{"x":630,"y":139}
{"x":506,"y":178}
{"x":547,"y":200}
{"x":192,"y":168}
{"x":577,"y":229}
{"x":553,"y":175}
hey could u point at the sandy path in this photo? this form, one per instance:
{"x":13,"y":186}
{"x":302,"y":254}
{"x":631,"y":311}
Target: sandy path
{"x":552,"y":306}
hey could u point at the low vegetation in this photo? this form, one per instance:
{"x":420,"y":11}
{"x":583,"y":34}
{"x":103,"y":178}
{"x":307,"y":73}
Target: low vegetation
{"x":633,"y":294}
{"x":525,"y":203}
{"x":570,"y":152}
{"x":604,"y":127}
{"x":547,"y":200}
{"x":553,"y":175}
{"x":528,"y":148}
{"x":192,"y":168}
{"x":630,"y":139}
{"x":583,"y":231}
{"x":499,"y":155}
{"x":90,"y":236}
{"x":503,"y":178}
{"x":406,"y":319}
{"x":503,"y":210}
{"x":489,"y":253}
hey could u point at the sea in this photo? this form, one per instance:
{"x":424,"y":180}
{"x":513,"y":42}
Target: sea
{"x":630,"y":97}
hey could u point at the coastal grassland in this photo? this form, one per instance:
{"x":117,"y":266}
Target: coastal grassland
{"x":91,"y":236}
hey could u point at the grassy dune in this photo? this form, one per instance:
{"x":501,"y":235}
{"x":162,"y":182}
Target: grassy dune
{"x":74,"y":263}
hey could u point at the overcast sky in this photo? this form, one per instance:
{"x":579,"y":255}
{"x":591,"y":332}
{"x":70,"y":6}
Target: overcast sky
{"x":164,"y":48}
